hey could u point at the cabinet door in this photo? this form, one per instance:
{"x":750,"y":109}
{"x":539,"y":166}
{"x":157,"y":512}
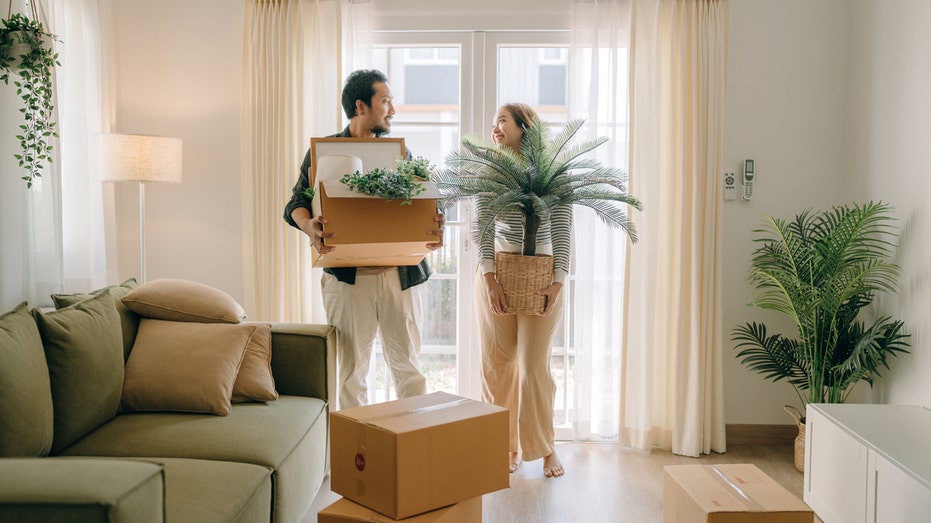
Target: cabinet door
{"x":835,"y":472}
{"x":896,"y":495}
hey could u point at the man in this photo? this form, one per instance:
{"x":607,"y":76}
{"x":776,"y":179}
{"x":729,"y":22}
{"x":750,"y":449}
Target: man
{"x":364,"y":301}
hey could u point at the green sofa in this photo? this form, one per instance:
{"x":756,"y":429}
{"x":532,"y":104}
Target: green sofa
{"x":263,"y":461}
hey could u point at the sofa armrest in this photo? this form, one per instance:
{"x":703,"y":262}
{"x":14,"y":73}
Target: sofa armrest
{"x":81,"y":489}
{"x":304,"y":360}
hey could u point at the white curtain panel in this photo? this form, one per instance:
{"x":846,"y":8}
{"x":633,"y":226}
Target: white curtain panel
{"x":671,"y":365}
{"x":53,"y":234}
{"x":273,"y":113}
{"x":598,"y":50}
{"x":87,"y":108}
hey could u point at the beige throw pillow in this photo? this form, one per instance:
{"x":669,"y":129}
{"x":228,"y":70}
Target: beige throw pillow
{"x":185,"y":367}
{"x":255,"y":381}
{"x":183,"y":300}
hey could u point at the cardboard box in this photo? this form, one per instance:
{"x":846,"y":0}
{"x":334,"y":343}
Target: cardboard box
{"x":369,"y":231}
{"x":345,"y":511}
{"x":406,"y":457}
{"x":728,"y":494}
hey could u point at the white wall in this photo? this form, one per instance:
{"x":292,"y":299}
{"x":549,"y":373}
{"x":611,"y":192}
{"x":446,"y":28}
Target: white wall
{"x":180,"y":66}
{"x":889,"y":159}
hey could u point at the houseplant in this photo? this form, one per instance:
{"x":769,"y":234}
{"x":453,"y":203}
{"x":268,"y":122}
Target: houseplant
{"x":402,"y":183}
{"x":821,"y":270}
{"x":547,"y":172}
{"x":27,"y":52}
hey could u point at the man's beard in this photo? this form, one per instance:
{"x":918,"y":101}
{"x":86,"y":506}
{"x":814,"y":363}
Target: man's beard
{"x":381,"y":130}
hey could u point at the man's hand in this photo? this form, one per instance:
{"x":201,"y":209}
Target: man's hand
{"x":317,"y":235}
{"x":440,"y":219}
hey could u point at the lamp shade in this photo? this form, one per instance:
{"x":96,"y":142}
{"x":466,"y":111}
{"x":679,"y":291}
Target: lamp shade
{"x":140,"y":158}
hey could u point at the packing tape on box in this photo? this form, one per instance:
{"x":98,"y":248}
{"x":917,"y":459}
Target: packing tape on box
{"x":419,"y":410}
{"x":729,"y":484}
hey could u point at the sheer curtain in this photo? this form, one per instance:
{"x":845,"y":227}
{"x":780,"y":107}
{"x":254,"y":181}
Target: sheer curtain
{"x":273,"y":109}
{"x":598,"y":93}
{"x":85,"y":84}
{"x":671,"y":366}
{"x":293,"y":65}
{"x":53,"y":235}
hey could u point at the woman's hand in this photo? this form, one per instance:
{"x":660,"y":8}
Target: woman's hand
{"x":496,"y":300}
{"x":551,"y":293}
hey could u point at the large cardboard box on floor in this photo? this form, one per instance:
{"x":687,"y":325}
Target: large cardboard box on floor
{"x":414,"y":455}
{"x":369,"y":231}
{"x":728,"y":494}
{"x":345,"y":511}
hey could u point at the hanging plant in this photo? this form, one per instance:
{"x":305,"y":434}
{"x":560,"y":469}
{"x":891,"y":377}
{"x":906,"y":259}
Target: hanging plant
{"x":27,"y":53}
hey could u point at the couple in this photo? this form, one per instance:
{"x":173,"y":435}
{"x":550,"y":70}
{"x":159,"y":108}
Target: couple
{"x":361,"y":301}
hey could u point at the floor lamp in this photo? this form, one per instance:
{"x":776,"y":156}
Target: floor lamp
{"x":141,"y":158}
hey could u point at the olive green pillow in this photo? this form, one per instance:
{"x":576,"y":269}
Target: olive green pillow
{"x":254,"y":381}
{"x":129,"y":320}
{"x":26,"y":397}
{"x":84,"y":350}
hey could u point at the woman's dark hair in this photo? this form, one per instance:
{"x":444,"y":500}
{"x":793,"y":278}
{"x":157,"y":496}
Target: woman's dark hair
{"x":360,"y":85}
{"x":523,"y":114}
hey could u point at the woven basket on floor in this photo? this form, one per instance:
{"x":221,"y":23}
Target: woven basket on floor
{"x":800,"y":439}
{"x":520,"y":276}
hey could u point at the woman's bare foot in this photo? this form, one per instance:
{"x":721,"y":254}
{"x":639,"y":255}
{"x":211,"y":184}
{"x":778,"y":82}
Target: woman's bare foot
{"x":552,"y":467}
{"x":513,"y":461}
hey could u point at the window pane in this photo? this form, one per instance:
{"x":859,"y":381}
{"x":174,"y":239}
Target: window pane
{"x":535,"y":76}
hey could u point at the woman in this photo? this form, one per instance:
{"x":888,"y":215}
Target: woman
{"x":516,"y":347}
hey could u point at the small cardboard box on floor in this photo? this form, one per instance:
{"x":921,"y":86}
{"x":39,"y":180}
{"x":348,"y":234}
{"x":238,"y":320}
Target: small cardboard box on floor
{"x":406,"y":457}
{"x":345,"y":511}
{"x":369,"y":231}
{"x":728,"y":494}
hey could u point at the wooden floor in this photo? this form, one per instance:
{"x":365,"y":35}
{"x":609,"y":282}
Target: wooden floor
{"x":604,"y":483}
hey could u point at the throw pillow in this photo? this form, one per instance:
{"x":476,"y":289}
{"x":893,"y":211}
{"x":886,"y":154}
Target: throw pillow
{"x":184,"y":367}
{"x":255,"y":381}
{"x":84,"y":350}
{"x":182,"y":300}
{"x":128,"y":319}
{"x":26,"y":396}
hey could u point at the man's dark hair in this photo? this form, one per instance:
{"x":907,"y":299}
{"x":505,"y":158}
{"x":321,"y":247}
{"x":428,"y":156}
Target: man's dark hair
{"x":360,"y":85}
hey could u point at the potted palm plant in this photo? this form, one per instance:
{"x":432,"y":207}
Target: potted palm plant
{"x":821,"y":270}
{"x":547,"y":173}
{"x":27,"y":52}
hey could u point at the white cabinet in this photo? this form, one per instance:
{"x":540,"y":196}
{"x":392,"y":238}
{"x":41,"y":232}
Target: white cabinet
{"x":868,"y":463}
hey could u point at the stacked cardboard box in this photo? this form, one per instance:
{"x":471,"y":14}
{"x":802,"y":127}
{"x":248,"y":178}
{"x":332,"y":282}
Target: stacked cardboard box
{"x":415,"y":456}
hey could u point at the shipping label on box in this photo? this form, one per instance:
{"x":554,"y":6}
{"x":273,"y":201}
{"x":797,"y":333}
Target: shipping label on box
{"x":728,"y":493}
{"x":345,"y":511}
{"x":405,"y":457}
{"x":368,"y":230}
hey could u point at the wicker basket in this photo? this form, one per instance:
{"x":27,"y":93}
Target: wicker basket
{"x":800,"y":439}
{"x":521,"y":276}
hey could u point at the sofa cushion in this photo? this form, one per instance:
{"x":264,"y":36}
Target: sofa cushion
{"x":254,"y":381}
{"x":84,"y":351}
{"x":128,"y":319}
{"x":288,"y":436}
{"x":185,"y":367}
{"x":82,"y":489}
{"x":210,"y":491}
{"x":183,"y":300}
{"x":26,"y":395}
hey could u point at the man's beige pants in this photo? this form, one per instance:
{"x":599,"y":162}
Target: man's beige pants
{"x":374,"y":305}
{"x":516,"y":372}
